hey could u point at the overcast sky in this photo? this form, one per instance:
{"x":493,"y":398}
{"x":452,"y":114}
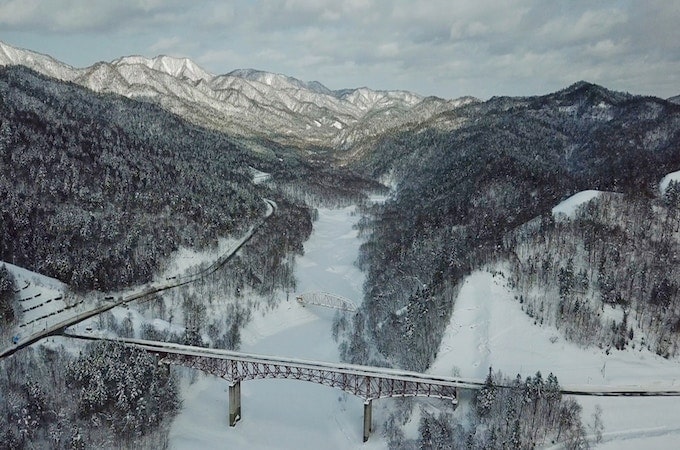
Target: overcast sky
{"x":447,"y":48}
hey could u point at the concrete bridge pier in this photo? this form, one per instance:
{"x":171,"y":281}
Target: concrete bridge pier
{"x":234,"y":403}
{"x":368,"y":419}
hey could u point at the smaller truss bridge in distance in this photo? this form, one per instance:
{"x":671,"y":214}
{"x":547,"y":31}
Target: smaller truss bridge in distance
{"x":327,"y":300}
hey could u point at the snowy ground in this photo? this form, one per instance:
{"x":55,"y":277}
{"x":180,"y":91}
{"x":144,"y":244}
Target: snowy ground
{"x":569,"y":206}
{"x":488,"y":328}
{"x":282,"y":413}
{"x":41,"y":300}
{"x":665,"y":181}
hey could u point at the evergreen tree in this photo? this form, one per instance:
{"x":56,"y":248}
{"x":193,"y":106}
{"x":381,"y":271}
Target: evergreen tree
{"x":7,"y":296}
{"x":486,"y":396}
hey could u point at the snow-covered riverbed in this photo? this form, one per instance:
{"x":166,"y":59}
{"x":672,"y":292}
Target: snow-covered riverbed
{"x":282,"y":413}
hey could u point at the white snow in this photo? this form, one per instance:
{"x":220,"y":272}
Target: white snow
{"x":283,"y":413}
{"x":259,"y":176}
{"x":665,"y":181}
{"x":41,"y":301}
{"x":569,"y":206}
{"x":488,"y":328}
{"x":186,"y":261}
{"x":23,"y":276}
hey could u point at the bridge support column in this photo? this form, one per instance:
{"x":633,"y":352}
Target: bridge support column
{"x":234,"y":403}
{"x":368,"y":419}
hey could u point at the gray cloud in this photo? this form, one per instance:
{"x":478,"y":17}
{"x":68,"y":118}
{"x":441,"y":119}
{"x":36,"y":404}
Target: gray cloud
{"x":443,"y":47}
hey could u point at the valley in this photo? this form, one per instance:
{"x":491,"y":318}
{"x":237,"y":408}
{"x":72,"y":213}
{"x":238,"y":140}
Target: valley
{"x":509,"y":238}
{"x":295,"y":414}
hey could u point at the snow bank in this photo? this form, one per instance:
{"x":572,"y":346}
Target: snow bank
{"x":665,"y":181}
{"x":568,"y":207}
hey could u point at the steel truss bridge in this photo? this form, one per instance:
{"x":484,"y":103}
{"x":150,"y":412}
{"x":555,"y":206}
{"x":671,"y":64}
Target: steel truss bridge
{"x":368,"y":383}
{"x":327,"y":300}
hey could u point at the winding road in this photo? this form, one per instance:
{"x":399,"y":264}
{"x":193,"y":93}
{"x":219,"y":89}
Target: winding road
{"x":59,"y":327}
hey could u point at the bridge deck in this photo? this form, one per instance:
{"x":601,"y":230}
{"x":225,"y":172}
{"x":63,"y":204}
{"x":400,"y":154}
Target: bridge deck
{"x":342,"y":368}
{"x":366,"y":382}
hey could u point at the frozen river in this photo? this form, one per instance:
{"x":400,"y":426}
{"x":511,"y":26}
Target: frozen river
{"x":283,"y":413}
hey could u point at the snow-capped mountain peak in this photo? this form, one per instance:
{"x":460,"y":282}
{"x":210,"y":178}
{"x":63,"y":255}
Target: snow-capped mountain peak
{"x":276,"y":80}
{"x":177,"y":67}
{"x":246,"y":102}
{"x":37,"y":61}
{"x":366,"y":98}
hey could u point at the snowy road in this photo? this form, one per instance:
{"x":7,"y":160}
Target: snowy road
{"x":56,"y":321}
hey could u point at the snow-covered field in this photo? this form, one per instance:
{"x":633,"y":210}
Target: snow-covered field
{"x":569,"y":206}
{"x":488,"y":328}
{"x":286,"y":414}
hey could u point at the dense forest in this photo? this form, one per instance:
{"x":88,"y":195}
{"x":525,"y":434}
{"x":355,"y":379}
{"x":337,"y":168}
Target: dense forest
{"x":108,"y":397}
{"x":8,"y":303}
{"x":474,"y":174}
{"x":98,"y":190}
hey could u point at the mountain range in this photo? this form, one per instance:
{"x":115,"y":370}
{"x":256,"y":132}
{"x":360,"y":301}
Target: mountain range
{"x":99,"y":190}
{"x":248,"y":103}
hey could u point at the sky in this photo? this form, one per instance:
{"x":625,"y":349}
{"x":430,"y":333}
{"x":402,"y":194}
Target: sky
{"x":447,"y":48}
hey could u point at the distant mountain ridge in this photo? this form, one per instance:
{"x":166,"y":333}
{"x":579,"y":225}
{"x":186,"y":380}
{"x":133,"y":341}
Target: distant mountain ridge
{"x":182,"y":68}
{"x":249,"y":103}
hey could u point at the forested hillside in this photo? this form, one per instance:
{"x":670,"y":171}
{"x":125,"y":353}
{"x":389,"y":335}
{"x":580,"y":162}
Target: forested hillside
{"x":470,"y":176}
{"x":607,"y":276}
{"x":97,"y":190}
{"x":7,"y":298}
{"x":109,"y":396}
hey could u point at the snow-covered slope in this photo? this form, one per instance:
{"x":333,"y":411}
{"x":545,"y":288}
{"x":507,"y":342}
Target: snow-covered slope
{"x":666,"y":181}
{"x":41,"y":63}
{"x":182,"y":68}
{"x":249,"y":103}
{"x":568,"y":206}
{"x":488,"y":328}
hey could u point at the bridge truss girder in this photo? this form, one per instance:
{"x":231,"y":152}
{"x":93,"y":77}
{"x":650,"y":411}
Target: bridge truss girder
{"x":368,"y":387}
{"x":327,"y":300}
